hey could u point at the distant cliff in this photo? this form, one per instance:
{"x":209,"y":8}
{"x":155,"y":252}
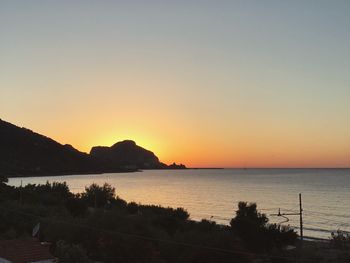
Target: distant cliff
{"x":128,"y":154}
{"x":26,"y":153}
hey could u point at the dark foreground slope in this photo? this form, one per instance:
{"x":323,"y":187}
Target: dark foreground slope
{"x":110,"y":230}
{"x":23,"y":152}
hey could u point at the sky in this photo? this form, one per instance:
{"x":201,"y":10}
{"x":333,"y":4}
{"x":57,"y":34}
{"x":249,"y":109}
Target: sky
{"x":205,"y":83}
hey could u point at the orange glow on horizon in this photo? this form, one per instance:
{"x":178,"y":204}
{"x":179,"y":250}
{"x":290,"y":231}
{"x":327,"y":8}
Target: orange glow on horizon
{"x":196,"y":84}
{"x":242,"y":155}
{"x":196,"y":148}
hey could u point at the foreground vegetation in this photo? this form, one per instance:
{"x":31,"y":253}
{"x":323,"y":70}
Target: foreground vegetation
{"x":99,"y":226}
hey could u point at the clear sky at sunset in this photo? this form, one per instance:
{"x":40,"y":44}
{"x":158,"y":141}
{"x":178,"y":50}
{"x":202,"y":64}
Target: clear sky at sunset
{"x":206,"y":83}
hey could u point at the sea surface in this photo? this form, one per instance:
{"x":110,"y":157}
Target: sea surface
{"x":214,"y":194}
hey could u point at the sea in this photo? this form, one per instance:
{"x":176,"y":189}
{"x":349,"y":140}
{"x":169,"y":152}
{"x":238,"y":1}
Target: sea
{"x":213,"y":194}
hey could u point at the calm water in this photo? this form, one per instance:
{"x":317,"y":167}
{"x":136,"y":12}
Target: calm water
{"x":215,"y":193}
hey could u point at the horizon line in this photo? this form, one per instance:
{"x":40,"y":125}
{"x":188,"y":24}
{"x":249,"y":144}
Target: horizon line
{"x":247,"y":168}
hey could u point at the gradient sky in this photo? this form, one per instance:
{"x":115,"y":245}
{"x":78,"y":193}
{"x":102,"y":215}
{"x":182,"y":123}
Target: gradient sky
{"x":206,"y":83}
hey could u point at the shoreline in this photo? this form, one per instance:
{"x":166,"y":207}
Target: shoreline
{"x":166,"y":169}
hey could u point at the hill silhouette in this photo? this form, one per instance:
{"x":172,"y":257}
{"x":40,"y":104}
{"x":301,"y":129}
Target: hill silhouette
{"x":128,"y":154}
{"x":26,"y":153}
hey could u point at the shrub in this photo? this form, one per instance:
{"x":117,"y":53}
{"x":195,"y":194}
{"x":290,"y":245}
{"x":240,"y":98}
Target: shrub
{"x":132,"y":207}
{"x":49,"y":194}
{"x":70,"y":253}
{"x":3,"y":179}
{"x":76,"y":205}
{"x":99,"y":196}
{"x":181,"y":213}
{"x":118,"y":202}
{"x":340,"y":239}
{"x":253,"y":228}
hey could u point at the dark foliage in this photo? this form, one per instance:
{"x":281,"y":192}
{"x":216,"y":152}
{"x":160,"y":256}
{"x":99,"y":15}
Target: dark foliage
{"x":3,"y":179}
{"x":76,"y":205}
{"x":340,"y":240}
{"x":70,"y":253}
{"x":47,"y":194}
{"x":98,"y":196}
{"x":253,"y":228}
{"x":116,"y":231}
{"x":132,"y":208}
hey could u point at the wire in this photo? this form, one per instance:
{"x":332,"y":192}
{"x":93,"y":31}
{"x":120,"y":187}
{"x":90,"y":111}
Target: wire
{"x":326,"y":214}
{"x":150,"y":238}
{"x":327,"y":219}
{"x":306,"y":226}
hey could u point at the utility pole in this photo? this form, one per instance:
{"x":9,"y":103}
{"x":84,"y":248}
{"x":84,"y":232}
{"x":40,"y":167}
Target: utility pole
{"x":20,"y":194}
{"x":300,"y":214}
{"x":301,"y":219}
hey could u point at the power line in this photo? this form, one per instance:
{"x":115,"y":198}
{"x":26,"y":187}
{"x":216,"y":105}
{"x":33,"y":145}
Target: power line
{"x":147,"y":238}
{"x":308,"y":212}
{"x":330,"y":220}
{"x":328,"y":214}
{"x":300,"y":214}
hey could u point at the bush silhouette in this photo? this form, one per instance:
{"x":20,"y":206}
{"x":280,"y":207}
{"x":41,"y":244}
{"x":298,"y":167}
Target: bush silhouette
{"x":3,"y":179}
{"x":76,"y":205}
{"x":340,"y":239}
{"x":98,"y":196}
{"x":69,"y":253}
{"x":253,"y":228}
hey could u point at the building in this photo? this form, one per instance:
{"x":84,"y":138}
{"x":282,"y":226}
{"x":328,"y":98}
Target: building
{"x":28,"y":250}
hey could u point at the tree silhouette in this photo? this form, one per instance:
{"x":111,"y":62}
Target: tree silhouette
{"x":98,"y":196}
{"x":248,"y":214}
{"x":3,"y":179}
{"x":253,"y":228}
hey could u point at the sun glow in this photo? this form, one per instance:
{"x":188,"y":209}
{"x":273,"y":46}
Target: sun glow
{"x":201,"y":86}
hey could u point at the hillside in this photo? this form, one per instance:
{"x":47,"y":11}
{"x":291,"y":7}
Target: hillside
{"x":26,"y":153}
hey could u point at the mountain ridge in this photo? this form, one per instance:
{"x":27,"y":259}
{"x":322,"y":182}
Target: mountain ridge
{"x":127,"y":152}
{"x":24,"y":152}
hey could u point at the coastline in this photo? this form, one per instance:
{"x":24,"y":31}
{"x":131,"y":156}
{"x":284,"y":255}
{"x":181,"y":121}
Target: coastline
{"x":170,"y":169}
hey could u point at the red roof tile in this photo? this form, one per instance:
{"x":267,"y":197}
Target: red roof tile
{"x":24,"y":250}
